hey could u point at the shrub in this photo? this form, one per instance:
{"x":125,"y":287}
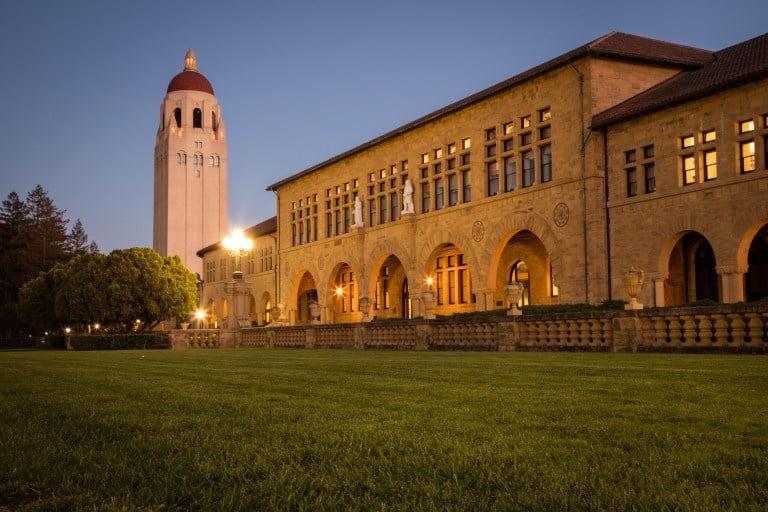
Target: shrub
{"x":147,"y":341}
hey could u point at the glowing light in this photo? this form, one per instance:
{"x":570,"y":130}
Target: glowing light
{"x":339,"y":291}
{"x":199,"y":314}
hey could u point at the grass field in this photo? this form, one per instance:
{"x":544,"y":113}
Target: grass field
{"x":271,"y":429}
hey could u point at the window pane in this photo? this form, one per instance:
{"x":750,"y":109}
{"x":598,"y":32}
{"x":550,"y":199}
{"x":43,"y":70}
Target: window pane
{"x":510,"y":173}
{"x":631,"y":182}
{"x":650,"y":178}
{"x":748,"y":156}
{"x":710,"y":165}
{"x":493,"y":178}
{"x":689,"y":170}
{"x":528,"y":169}
{"x":546,"y":163}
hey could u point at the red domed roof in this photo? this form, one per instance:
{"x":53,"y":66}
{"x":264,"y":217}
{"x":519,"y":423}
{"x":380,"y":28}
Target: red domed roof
{"x":190,"y":79}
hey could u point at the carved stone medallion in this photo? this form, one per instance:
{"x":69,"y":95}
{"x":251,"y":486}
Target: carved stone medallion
{"x":478,"y":231}
{"x":560,"y":214}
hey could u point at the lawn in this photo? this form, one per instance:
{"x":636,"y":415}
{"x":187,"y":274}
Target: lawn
{"x":282,"y":429}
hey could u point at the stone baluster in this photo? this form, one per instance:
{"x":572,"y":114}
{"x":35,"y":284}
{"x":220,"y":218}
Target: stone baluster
{"x":689,"y":331}
{"x":720,"y":324}
{"x":648,"y":334}
{"x":541,"y":330}
{"x":583,"y":333}
{"x":706,"y":336}
{"x":659,"y":331}
{"x":562,"y":333}
{"x":754,"y":328}
{"x":607,"y":331}
{"x":675,"y":330}
{"x":737,"y":329}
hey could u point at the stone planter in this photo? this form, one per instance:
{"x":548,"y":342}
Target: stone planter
{"x":365,"y":308}
{"x":633,"y":283}
{"x":514,"y":291}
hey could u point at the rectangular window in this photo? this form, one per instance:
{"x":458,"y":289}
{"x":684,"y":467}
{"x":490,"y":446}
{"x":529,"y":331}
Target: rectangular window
{"x":450,"y":163}
{"x":371,"y":212}
{"x":709,"y":136}
{"x":490,"y":151}
{"x":465,"y":159}
{"x":545,"y":132}
{"x":631,"y":182}
{"x":382,"y":209}
{"x":525,"y":122}
{"x":650,"y":178}
{"x":453,"y":190}
{"x":508,"y":128}
{"x":425,"y":197}
{"x":451,"y":148}
{"x":546,"y":163}
{"x":437,"y":168}
{"x":439,"y":196}
{"x":439,"y":280}
{"x":687,"y":141}
{"x":545,"y":115}
{"x":648,"y":151}
{"x":490,"y":134}
{"x":328,"y":225}
{"x":466,"y":143}
{"x":394,"y":207}
{"x":347,"y":219}
{"x":492,"y":169}
{"x":451,"y":287}
{"x":528,"y":169}
{"x":466,"y":187}
{"x":337,"y":215}
{"x":746,"y":126}
{"x":747,"y":155}
{"x":710,"y":164}
{"x":689,"y":169}
{"x":510,"y":173}
{"x":630,"y":156}
{"x":509,"y":144}
{"x":525,"y":139}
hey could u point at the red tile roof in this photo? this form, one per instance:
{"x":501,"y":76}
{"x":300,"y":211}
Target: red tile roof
{"x":190,"y":81}
{"x":613,"y":45}
{"x":733,"y":66}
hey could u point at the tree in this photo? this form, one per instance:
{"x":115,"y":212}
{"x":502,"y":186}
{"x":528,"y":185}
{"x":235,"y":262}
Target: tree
{"x":77,"y":242}
{"x":113,"y":290}
{"x":48,"y":242}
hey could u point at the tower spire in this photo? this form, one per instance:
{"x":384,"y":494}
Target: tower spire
{"x":190,"y":61}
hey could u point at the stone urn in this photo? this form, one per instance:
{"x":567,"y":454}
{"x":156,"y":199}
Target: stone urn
{"x":314,"y":312}
{"x":633,"y":283}
{"x":185,"y":325}
{"x":514,"y":291}
{"x":365,"y":308}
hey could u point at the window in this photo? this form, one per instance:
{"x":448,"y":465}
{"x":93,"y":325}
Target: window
{"x":632,"y":182}
{"x":528,"y":169}
{"x":466,"y":143}
{"x":177,"y":117}
{"x":465,"y":159}
{"x":424,"y":158}
{"x":525,"y":139}
{"x":509,"y":144}
{"x":709,"y":136}
{"x":466,"y":191}
{"x":689,"y":170}
{"x":546,"y":163}
{"x":453,"y":190}
{"x":525,"y":122}
{"x":394,"y":207}
{"x":648,"y":151}
{"x":508,"y":128}
{"x":545,"y":132}
{"x":437,"y":168}
{"x":545,"y":115}
{"x":492,"y":169}
{"x":747,"y":156}
{"x":510,"y":174}
{"x":630,"y":156}
{"x":425,"y":197}
{"x":710,"y":164}
{"x":197,"y":118}
{"x":451,"y":148}
{"x":181,"y":158}
{"x":382,"y":209}
{"x":687,"y":141}
{"x":747,"y":126}
{"x":439,"y":197}
{"x":490,"y":151}
{"x":650,"y":178}
{"x":490,"y":134}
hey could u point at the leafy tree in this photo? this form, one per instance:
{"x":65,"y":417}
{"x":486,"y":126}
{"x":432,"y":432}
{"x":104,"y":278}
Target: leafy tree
{"x":113,"y":290}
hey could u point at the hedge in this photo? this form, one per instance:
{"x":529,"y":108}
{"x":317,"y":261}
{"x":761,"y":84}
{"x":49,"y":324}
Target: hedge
{"x":148,"y":341}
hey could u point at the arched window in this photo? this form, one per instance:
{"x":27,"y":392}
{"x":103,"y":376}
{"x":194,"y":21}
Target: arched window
{"x":214,"y":124}
{"x":210,"y":161}
{"x":177,"y":116}
{"x":197,"y":118}
{"x":199,"y":159}
{"x":181,"y":158}
{"x":216,"y":161}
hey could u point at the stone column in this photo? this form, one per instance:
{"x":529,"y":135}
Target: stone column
{"x":237,"y":294}
{"x":732,"y":283}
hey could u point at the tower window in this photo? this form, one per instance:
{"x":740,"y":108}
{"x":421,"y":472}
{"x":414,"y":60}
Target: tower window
{"x":197,"y":118}
{"x":177,"y":116}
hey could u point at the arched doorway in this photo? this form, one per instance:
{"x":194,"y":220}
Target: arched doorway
{"x":692,"y":274}
{"x":345,"y":296}
{"x":756,"y":281}
{"x":307,"y":294}
{"x":389,"y":290}
{"x":525,"y":259}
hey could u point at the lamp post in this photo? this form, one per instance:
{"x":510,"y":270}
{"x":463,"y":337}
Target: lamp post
{"x":238,"y":245}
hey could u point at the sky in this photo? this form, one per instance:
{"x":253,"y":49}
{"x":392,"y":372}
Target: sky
{"x":298,"y":81}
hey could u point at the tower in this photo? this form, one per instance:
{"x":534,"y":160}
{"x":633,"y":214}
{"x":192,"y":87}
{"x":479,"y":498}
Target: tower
{"x":190,"y":207}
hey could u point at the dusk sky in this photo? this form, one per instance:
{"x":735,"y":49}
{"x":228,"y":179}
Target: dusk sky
{"x":298,"y":82}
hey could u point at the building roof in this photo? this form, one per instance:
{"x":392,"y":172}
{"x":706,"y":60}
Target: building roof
{"x":733,"y":66}
{"x":616,"y":45}
{"x":263,"y":228}
{"x":190,"y":79}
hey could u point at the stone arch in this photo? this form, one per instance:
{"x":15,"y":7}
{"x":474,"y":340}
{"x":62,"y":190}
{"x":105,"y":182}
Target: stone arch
{"x":266,"y":304}
{"x":388,"y":288}
{"x":447,"y":274}
{"x":501,"y":232}
{"x":687,"y":261}
{"x":752,"y":257}
{"x":303,"y":293}
{"x":341,"y":293}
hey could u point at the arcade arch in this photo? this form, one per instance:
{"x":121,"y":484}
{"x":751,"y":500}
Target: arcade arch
{"x":522,"y":257}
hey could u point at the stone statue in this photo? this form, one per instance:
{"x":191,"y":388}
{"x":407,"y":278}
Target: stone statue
{"x":357,"y":214}
{"x":407,"y":197}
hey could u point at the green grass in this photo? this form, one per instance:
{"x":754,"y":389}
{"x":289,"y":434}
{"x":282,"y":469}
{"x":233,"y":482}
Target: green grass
{"x":270,"y":429}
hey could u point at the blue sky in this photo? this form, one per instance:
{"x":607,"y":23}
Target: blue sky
{"x":298,"y":82}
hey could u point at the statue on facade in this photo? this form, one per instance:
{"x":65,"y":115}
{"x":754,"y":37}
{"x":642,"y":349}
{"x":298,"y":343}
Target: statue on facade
{"x":357,"y":214}
{"x":407,"y":197}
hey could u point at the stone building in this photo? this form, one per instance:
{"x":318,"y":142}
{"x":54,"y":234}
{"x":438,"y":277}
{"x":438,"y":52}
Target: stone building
{"x":190,"y":209}
{"x":624,"y":153}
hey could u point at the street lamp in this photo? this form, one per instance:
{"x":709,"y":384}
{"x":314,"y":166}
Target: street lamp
{"x":238,"y":246}
{"x":200,"y":316}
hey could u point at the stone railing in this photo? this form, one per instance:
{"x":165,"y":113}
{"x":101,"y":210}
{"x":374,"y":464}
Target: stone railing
{"x":195,"y":338}
{"x":723,"y":328}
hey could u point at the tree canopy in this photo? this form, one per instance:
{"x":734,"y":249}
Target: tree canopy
{"x":33,"y":239}
{"x":114,"y":290}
